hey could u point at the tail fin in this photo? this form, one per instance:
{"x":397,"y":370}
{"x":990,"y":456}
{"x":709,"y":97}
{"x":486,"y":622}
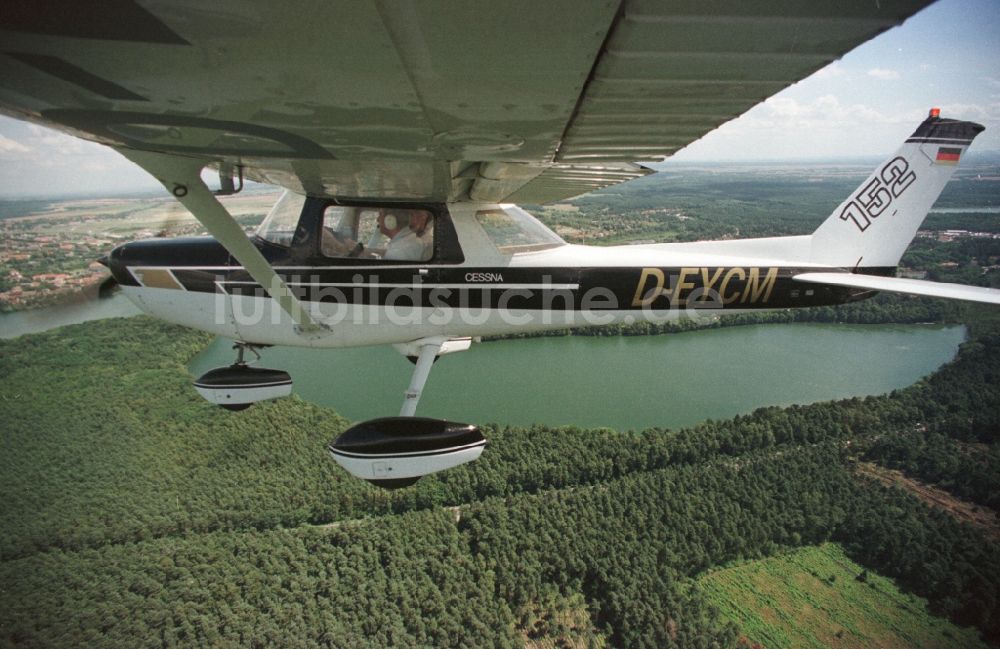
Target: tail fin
{"x":875,"y":225}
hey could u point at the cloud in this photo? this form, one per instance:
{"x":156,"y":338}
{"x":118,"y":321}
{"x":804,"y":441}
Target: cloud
{"x":786,"y":127}
{"x":35,"y":160}
{"x":989,"y":113}
{"x":825,"y":111}
{"x":835,"y":70}
{"x":883,"y":74}
{"x":57,"y":142}
{"x":8,"y":145}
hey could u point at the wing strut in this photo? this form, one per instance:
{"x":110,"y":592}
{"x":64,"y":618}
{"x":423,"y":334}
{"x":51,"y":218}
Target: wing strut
{"x":182,"y":178}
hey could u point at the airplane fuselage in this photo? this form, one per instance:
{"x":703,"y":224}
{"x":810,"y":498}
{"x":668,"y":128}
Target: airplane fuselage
{"x":195,"y":282}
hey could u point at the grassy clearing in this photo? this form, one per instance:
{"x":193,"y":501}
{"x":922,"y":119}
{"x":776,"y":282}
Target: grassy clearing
{"x":558,"y":622}
{"x":818,"y":597}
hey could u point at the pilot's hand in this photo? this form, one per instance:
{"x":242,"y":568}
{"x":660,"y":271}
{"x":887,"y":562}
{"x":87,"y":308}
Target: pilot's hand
{"x":334,"y":244}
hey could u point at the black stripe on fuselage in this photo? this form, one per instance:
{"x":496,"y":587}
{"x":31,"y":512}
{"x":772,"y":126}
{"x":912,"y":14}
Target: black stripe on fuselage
{"x":553,"y":289}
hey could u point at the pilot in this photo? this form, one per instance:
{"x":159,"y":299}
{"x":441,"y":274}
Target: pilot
{"x":409,"y":232}
{"x":335,"y":244}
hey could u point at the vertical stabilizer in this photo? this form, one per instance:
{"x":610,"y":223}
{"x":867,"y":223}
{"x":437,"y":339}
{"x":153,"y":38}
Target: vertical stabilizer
{"x":874,"y":226}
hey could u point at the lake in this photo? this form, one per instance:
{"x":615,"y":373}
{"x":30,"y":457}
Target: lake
{"x":621,"y":382}
{"x":18,"y":323}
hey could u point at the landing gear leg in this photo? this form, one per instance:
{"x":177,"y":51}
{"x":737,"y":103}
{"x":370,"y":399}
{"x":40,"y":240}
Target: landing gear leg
{"x":428,"y":351}
{"x":241,"y":349}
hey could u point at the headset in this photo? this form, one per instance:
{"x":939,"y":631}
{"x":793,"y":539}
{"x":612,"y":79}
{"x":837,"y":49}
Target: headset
{"x":393,"y":222}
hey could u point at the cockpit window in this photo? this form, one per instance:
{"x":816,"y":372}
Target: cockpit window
{"x":279,"y":225}
{"x":391,"y":233}
{"x":513,"y":230}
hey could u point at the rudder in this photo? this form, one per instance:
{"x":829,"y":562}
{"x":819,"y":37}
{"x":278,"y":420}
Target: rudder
{"x":875,"y":225}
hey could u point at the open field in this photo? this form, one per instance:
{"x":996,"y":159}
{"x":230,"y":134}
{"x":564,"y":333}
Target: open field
{"x":128,"y":217}
{"x":817,"y":597}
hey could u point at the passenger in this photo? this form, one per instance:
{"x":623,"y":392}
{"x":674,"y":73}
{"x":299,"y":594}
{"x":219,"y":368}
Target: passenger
{"x":410,"y":235}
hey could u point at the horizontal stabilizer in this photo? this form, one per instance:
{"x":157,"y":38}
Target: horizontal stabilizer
{"x":903,"y":285}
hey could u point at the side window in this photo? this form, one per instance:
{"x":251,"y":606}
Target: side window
{"x":513,"y":230}
{"x":391,"y":233}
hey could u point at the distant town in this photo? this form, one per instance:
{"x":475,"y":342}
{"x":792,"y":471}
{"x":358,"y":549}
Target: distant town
{"x":49,"y":251}
{"x":29,"y":261}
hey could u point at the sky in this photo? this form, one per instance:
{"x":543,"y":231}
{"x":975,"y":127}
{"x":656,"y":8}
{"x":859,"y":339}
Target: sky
{"x":947,"y":56}
{"x":865,"y":104}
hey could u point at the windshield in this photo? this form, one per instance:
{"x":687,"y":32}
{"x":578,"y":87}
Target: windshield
{"x":280,"y":223}
{"x":513,"y":230}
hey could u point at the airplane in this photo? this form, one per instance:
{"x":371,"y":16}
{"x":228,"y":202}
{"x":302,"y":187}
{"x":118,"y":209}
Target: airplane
{"x":404,"y":134}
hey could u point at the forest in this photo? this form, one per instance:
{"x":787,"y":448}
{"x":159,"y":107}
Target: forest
{"x":139,"y":515}
{"x":136,"y":514}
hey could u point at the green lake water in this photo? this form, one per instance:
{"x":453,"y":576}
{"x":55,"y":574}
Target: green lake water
{"x":621,"y":382}
{"x":82,"y":309}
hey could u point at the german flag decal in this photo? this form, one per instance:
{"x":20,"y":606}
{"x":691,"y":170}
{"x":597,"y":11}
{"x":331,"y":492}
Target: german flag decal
{"x":948,"y":155}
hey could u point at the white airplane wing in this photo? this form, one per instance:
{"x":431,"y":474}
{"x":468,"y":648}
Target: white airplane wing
{"x":516,"y":100}
{"x":904,"y":285}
